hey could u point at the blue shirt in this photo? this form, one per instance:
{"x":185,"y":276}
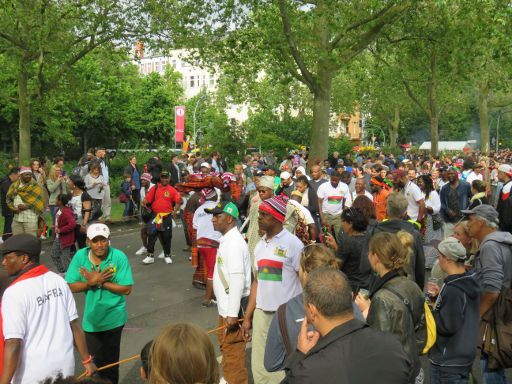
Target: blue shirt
{"x":136,"y":178}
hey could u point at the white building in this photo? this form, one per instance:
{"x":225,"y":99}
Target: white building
{"x":194,"y":78}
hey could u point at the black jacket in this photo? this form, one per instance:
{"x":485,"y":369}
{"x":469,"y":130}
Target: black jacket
{"x":504,"y":209}
{"x":174,"y":173}
{"x":388,"y":312}
{"x":155,"y":169}
{"x":4,"y":188}
{"x":457,"y":321}
{"x":393,"y":226}
{"x":351,"y":353}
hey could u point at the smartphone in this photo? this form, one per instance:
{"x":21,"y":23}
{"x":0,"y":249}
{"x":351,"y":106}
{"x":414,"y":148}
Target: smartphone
{"x":64,"y":173}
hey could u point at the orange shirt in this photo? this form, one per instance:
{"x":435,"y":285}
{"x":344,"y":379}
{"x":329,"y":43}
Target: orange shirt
{"x":380,"y":203}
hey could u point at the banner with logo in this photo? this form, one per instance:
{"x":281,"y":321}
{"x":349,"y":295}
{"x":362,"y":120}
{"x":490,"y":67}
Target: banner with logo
{"x":179,"y":118}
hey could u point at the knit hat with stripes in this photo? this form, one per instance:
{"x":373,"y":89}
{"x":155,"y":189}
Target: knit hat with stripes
{"x":275,"y":206}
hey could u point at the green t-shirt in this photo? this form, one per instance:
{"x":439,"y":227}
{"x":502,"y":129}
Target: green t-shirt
{"x":104,"y":310}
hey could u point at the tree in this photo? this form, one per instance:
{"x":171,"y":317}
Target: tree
{"x":311,"y":41}
{"x":44,"y":39}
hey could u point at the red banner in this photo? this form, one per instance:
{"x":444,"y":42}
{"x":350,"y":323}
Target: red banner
{"x":179,"y":118}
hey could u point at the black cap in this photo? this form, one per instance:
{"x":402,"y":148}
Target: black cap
{"x":24,"y":243}
{"x":164,"y":173}
{"x":224,"y":207}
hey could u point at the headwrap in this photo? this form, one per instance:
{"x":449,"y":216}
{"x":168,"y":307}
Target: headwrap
{"x":275,"y":206}
{"x":300,"y":169}
{"x":227,"y":178}
{"x":207,"y":193}
{"x":377,"y":180}
{"x":267,"y":182}
{"x":146,"y":176}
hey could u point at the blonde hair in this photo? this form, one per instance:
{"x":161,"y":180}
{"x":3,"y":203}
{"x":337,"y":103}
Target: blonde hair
{"x":390,"y":251}
{"x":183,"y":354}
{"x":318,"y":255}
{"x":52,"y":175}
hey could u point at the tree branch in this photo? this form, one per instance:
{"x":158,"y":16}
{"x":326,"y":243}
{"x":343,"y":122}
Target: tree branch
{"x":13,"y":40}
{"x":307,"y":76}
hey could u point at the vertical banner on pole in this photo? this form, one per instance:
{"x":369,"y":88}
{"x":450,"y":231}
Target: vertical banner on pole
{"x":179,"y":118}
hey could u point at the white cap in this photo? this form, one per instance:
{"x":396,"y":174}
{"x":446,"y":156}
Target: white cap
{"x":285,"y":175}
{"x":506,"y":168}
{"x":96,"y":230}
{"x":205,"y":164}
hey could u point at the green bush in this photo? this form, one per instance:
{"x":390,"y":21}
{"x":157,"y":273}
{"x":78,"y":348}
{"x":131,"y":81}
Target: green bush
{"x":342,"y":145}
{"x":7,"y":161}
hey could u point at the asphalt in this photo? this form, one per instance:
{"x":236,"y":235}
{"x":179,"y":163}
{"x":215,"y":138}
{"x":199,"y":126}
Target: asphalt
{"x":162,"y":294}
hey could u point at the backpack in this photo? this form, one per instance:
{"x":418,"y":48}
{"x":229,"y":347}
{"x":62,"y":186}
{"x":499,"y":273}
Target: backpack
{"x":425,"y":330}
{"x":496,"y":331}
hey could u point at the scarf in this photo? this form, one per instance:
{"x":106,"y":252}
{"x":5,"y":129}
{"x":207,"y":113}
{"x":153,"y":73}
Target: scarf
{"x":27,"y":274}
{"x":31,"y":194}
{"x":477,"y":196}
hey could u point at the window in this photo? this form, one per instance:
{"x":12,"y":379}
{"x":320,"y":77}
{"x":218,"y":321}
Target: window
{"x":192,"y":82}
{"x":212,"y":81}
{"x":174,"y":64}
{"x":157,"y":66}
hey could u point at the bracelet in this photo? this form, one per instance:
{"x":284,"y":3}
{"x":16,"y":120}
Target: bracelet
{"x":89,"y":359}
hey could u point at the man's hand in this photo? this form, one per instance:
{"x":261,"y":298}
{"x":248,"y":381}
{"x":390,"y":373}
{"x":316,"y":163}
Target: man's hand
{"x":330,"y":241}
{"x":90,"y":369}
{"x":232,"y":324}
{"x":362,"y":302}
{"x":246,"y":326}
{"x":95,"y":278}
{"x":22,"y":207}
{"x":307,"y":339}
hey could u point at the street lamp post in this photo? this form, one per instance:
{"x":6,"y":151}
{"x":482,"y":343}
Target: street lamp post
{"x":201,"y":98}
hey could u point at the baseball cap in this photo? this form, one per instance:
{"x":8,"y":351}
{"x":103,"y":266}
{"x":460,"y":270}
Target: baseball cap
{"x":452,"y":249}
{"x":204,"y":164}
{"x":96,"y":230}
{"x":506,"y":168}
{"x":224,"y":207}
{"x":24,"y":243}
{"x":164,"y":173}
{"x":484,"y":210}
{"x":285,"y":175}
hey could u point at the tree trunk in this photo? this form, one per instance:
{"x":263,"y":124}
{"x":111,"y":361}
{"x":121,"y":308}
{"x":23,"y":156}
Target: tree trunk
{"x":24,"y":116}
{"x":321,"y":119}
{"x":393,"y":128}
{"x":434,"y":135}
{"x":483,"y":98}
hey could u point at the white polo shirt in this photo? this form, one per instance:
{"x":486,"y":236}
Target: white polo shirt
{"x":38,"y":311}
{"x":366,"y":193}
{"x":413,"y":194}
{"x":202,"y":222}
{"x":334,"y":199}
{"x":277,"y":262}
{"x":234,"y":261}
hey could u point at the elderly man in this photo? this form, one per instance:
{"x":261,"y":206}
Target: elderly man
{"x":342,"y":349}
{"x":493,"y":265}
{"x":360,"y":189}
{"x":26,"y":200}
{"x":40,"y":321}
{"x":104,"y":274}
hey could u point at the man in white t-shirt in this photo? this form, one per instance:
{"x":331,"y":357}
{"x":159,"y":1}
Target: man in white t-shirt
{"x":207,"y":239}
{"x":360,"y":190}
{"x":276,"y":281}
{"x":40,"y":320}
{"x":333,"y":197}
{"x":475,"y":174}
{"x":232,"y":284}
{"x":415,"y":202}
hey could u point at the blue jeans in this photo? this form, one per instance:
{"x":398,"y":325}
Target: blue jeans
{"x":492,"y":377}
{"x":439,"y":376}
{"x":126,"y":208}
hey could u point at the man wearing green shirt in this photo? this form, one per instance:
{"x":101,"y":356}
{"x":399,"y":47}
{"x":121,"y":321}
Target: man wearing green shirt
{"x":103,"y":273}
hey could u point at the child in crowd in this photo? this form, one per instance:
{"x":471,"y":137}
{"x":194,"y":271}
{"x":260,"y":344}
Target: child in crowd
{"x":126,"y":193}
{"x":145,"y":368}
{"x":64,"y":233}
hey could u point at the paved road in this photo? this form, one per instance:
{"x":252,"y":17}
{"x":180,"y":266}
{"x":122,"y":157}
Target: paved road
{"x":162,"y":294}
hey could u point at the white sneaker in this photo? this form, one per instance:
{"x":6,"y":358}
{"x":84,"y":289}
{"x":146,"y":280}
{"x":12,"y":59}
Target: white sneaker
{"x":148,"y":260}
{"x":161,"y":255}
{"x":168,"y":260}
{"x":142,"y":250}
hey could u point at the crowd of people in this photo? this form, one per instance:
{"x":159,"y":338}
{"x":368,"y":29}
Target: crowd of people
{"x":346,"y":272}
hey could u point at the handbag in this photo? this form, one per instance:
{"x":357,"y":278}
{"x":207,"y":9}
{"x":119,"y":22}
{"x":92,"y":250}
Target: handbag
{"x":437,"y":221}
{"x":123,"y":198}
